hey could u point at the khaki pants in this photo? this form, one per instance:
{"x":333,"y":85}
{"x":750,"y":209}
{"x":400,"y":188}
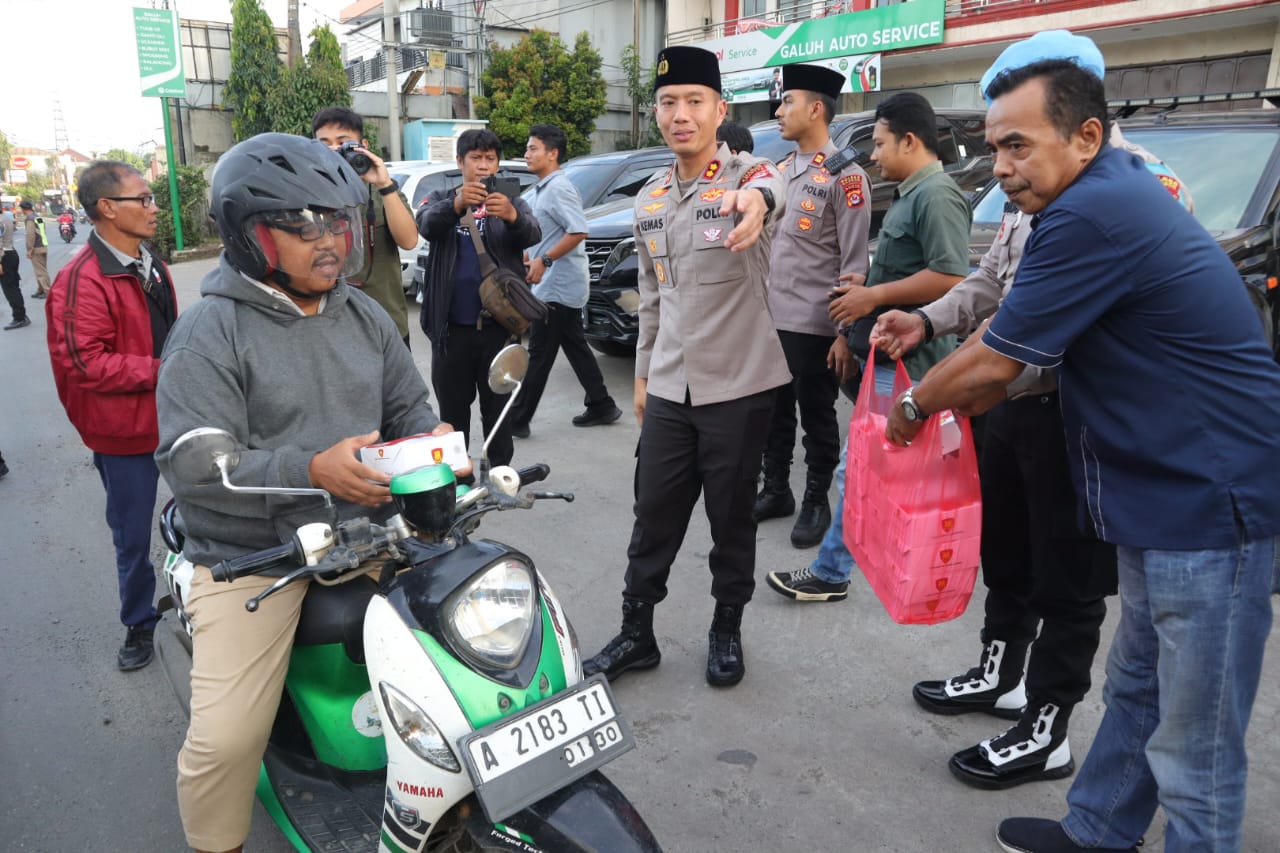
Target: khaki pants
{"x":237,"y":676}
{"x":40,"y":263}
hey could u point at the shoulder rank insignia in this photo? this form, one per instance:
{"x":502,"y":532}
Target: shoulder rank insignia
{"x":759,"y":170}
{"x":712,"y":169}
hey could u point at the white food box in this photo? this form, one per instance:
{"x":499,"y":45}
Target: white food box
{"x":415,"y":451}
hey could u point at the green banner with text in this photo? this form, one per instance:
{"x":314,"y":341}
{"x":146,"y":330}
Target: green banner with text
{"x":159,"y":53}
{"x":902,"y":25}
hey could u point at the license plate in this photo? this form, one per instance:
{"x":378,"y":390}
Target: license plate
{"x":522,"y":758}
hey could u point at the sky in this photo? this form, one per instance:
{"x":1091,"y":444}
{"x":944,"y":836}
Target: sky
{"x":80,"y":55}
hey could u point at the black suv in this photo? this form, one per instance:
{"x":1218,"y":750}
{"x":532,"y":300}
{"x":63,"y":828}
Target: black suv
{"x":610,"y":316}
{"x":1230,"y":163}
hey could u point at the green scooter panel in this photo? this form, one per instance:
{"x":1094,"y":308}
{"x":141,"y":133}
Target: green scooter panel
{"x":325,"y":685}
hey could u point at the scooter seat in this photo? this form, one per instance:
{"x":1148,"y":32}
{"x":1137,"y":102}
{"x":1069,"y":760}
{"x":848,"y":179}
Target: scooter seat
{"x":335,"y":614}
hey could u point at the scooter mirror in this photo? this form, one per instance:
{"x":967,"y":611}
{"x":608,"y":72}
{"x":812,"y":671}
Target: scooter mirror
{"x":199,"y":456}
{"x":508,"y":368}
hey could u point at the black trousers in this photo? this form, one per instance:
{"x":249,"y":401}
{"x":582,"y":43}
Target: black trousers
{"x":814,"y":388}
{"x":562,"y":330}
{"x":11,"y":284}
{"x":684,"y":450}
{"x":1038,"y":567}
{"x":460,"y":371}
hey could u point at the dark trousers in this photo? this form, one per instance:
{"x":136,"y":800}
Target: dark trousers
{"x":460,"y":371}
{"x":11,"y":284}
{"x":684,"y":450}
{"x":1037,"y":565}
{"x":814,"y":388}
{"x":562,"y":330}
{"x":130,"y":482}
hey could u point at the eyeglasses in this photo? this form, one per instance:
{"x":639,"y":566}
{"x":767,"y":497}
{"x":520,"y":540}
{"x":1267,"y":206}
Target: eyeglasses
{"x":314,"y":226}
{"x":145,"y":200}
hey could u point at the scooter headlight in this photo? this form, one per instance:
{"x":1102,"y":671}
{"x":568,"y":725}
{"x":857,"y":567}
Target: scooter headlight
{"x":417,"y":730}
{"x":492,"y":617}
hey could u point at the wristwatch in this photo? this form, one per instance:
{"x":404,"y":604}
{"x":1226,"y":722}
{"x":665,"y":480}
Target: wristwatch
{"x":389,"y":188}
{"x":769,"y":203}
{"x":928,"y":324}
{"x":546,"y":261}
{"x":910,"y":410}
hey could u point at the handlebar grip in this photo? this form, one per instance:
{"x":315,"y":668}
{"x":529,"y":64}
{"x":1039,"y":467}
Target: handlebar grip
{"x":248,"y":564}
{"x":534,"y":473}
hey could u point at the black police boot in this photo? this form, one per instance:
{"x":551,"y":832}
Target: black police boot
{"x":1034,"y":750}
{"x":725,"y":662}
{"x":815,"y":514}
{"x":994,"y":686}
{"x":635,"y":647}
{"x":775,"y":499}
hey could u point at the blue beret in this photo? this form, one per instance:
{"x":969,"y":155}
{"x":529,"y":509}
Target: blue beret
{"x":1050,"y":44}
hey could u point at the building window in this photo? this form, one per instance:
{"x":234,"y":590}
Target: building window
{"x":753,"y":8}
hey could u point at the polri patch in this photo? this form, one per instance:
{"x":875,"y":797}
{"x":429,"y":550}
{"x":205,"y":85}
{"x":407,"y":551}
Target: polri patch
{"x":852,"y":187}
{"x":759,"y":170}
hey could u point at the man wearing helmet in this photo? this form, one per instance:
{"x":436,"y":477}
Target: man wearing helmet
{"x":302,"y":370}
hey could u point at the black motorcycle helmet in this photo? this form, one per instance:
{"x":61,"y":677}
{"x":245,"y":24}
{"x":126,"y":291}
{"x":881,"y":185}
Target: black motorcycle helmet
{"x":281,"y":178}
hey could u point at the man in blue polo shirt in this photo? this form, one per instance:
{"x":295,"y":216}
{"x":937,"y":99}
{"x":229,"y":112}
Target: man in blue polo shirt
{"x":1172,"y":419}
{"x":558,"y":272}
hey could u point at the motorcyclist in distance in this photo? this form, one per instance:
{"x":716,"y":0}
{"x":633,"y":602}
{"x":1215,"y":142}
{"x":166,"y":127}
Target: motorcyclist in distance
{"x":67,"y":217}
{"x":302,"y":370}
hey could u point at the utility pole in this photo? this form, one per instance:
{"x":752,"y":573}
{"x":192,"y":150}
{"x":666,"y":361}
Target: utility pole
{"x":393,"y":89}
{"x":635,"y":35}
{"x":295,"y":35}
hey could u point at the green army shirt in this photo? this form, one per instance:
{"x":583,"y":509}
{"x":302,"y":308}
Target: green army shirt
{"x":383,"y":277}
{"x":926,"y":227}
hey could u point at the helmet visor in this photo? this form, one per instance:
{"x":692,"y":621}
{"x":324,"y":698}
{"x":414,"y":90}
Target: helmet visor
{"x":315,"y":244}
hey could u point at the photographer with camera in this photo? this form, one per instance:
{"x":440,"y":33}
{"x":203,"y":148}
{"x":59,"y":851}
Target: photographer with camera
{"x":389,"y":223}
{"x":465,"y":337}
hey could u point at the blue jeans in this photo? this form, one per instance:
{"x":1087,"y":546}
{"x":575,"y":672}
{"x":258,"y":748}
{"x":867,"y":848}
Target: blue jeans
{"x":834,"y":563}
{"x":1181,"y":680}
{"x":130,"y":482}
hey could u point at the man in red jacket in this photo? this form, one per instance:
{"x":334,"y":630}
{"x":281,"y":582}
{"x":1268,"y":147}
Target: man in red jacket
{"x":108,"y":313}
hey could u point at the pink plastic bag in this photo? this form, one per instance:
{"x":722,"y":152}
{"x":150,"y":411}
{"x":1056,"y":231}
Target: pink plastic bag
{"x":913,"y":515}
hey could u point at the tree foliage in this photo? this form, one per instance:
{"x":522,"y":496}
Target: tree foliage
{"x":6,"y":151}
{"x":640,"y":90}
{"x":129,"y":157}
{"x":193,"y":208}
{"x":255,"y":69}
{"x":317,"y":81}
{"x":539,"y":81}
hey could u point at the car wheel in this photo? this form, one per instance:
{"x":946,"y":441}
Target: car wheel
{"x":613,"y":348}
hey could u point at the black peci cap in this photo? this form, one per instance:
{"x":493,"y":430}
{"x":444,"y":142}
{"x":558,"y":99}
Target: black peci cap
{"x":687,"y":65}
{"x":813,"y":78}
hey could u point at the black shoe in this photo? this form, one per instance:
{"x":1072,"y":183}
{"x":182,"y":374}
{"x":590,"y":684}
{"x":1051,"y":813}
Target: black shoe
{"x":635,"y":647}
{"x":775,"y":499}
{"x":1039,"y":835}
{"x":520,"y":430}
{"x":726,"y":664}
{"x":18,"y":324}
{"x":137,"y":650}
{"x":802,"y":585}
{"x":811,"y":524}
{"x":598,"y":417}
{"x":994,"y":686}
{"x":4,"y":469}
{"x":1035,"y":750}
{"x":39,"y":294}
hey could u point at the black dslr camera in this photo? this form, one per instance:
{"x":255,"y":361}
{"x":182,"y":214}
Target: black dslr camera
{"x":357,"y":160}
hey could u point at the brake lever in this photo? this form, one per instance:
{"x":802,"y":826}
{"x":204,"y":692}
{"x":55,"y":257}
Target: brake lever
{"x":252,"y":604}
{"x":567,"y":497}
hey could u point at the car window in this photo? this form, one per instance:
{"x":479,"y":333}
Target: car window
{"x":769,"y":143}
{"x":629,"y":182}
{"x":948,"y":152}
{"x":990,"y":206}
{"x":590,"y":178}
{"x":1221,"y":186}
{"x":437,"y":181}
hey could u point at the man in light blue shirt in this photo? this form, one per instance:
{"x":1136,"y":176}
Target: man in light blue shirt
{"x":558,"y":273}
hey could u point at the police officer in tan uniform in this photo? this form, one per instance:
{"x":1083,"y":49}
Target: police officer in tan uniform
{"x":1037,"y":567}
{"x":708,"y":362}
{"x":822,"y":237}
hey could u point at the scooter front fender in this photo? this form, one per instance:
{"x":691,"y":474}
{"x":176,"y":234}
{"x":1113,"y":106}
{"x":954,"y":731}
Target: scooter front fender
{"x":589,"y":815}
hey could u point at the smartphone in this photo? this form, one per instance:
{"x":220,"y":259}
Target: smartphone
{"x":510,"y":187}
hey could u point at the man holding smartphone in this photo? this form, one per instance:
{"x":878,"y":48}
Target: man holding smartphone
{"x":464,"y":338}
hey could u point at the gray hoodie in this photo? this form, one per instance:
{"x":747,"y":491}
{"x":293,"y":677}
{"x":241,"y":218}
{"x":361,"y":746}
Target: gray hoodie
{"x":286,"y":386}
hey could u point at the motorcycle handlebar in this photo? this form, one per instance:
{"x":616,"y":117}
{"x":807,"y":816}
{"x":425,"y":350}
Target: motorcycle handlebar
{"x":248,"y":564}
{"x":534,"y":473}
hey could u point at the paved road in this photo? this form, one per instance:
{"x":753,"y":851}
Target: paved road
{"x":820,"y":748}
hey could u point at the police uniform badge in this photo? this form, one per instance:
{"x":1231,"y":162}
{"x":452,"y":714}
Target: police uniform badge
{"x":851,"y":185}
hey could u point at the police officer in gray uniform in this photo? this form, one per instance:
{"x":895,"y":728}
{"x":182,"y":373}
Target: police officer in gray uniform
{"x":1040,"y":571}
{"x":708,"y":362}
{"x":823,"y":236}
